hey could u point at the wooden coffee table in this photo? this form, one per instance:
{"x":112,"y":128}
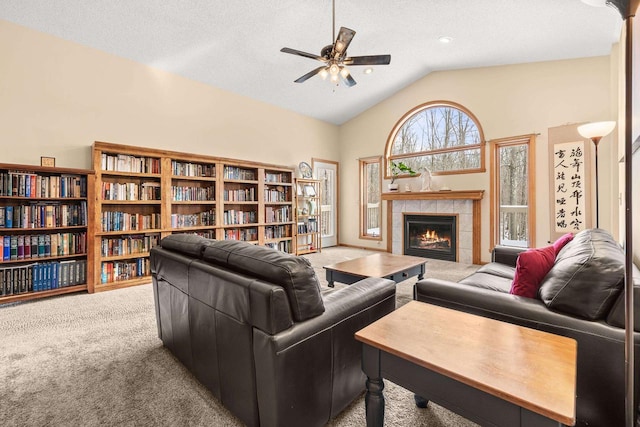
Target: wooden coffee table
{"x":491,"y":372}
{"x":385,"y":265}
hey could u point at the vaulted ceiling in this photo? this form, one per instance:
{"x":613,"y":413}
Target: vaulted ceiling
{"x":235,"y":45}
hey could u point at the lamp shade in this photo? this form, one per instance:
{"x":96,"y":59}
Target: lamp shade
{"x":596,"y":130}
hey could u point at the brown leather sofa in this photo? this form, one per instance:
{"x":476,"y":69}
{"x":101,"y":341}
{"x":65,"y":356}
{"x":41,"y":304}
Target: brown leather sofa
{"x":581,"y":297}
{"x":251,"y":324}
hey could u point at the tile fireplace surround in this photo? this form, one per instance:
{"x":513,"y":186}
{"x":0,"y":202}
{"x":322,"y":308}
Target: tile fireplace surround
{"x":464,"y":204}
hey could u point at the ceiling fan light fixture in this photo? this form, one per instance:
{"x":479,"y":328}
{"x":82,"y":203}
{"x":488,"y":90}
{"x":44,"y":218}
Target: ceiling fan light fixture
{"x":323,"y":74}
{"x":334,"y":78}
{"x":334,"y":69}
{"x":344,"y":72}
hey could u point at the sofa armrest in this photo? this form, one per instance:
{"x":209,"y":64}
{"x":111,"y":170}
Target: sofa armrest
{"x":318,"y":357}
{"x":506,"y":254}
{"x":346,"y":303}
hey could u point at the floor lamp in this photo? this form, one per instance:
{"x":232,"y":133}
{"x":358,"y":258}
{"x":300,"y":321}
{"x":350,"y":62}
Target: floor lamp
{"x":595,"y":132}
{"x":628,"y":10}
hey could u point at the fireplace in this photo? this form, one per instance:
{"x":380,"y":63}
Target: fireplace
{"x":431,"y":236}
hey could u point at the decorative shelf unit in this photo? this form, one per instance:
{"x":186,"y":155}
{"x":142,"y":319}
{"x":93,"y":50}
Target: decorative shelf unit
{"x":145,"y":194}
{"x":192,"y":205}
{"x":128,"y":210}
{"x":308,"y":217}
{"x":45,"y":221}
{"x":240,"y":213}
{"x":278,"y":200}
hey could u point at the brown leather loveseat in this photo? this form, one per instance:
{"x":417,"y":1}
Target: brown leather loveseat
{"x":251,"y":324}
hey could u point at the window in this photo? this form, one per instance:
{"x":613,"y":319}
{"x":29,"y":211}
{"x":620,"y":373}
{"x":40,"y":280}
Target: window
{"x":370,"y":208}
{"x":512,"y":192}
{"x":441,"y":136}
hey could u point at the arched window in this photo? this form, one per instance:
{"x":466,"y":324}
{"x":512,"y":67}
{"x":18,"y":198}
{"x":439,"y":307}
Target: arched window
{"x":441,"y":136}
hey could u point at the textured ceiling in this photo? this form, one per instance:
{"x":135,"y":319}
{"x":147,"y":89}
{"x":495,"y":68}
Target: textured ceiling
{"x":235,"y":45}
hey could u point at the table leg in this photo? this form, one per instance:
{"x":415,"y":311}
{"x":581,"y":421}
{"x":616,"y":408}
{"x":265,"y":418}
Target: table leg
{"x":421,"y":402}
{"x":373,"y":398}
{"x":374,"y":402}
{"x":330,"y":278}
{"x":421,"y":275}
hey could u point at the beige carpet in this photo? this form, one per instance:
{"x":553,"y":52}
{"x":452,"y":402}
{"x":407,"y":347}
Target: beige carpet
{"x":96,"y":360}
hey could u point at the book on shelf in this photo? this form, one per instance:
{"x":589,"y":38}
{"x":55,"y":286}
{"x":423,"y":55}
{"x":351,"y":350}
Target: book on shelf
{"x":38,"y":277}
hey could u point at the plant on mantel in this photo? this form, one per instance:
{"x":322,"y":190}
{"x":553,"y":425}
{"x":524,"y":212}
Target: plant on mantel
{"x":396,"y":169}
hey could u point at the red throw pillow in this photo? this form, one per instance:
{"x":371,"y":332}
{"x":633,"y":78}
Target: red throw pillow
{"x":531,"y":267}
{"x":561,"y":242}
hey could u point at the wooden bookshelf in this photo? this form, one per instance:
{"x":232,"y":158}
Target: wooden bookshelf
{"x":210,"y":196}
{"x":308,"y":217}
{"x":46,"y":219}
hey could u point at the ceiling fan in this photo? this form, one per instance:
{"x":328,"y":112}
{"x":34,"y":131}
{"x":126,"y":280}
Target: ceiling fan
{"x":335,"y":59}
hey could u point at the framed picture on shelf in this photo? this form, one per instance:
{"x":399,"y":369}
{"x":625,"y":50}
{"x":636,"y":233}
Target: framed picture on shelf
{"x":48,"y":161}
{"x":309,"y":190}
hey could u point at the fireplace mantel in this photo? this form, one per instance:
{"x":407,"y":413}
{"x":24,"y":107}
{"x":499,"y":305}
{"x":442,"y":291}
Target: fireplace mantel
{"x":434,"y":195}
{"x":474,"y":196}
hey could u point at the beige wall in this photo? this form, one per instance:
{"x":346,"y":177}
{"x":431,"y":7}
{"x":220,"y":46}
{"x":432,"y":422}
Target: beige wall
{"x":508,"y":101}
{"x":57,"y":97}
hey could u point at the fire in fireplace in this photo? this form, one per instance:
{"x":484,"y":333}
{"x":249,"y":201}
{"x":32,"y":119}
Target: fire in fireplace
{"x":430,"y":236}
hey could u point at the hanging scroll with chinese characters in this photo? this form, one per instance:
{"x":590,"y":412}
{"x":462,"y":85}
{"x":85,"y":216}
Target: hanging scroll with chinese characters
{"x":570,"y":181}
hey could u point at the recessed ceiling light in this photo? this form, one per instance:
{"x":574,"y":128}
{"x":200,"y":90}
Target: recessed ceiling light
{"x":596,"y":3}
{"x":368,"y":70}
{"x":445,"y":39}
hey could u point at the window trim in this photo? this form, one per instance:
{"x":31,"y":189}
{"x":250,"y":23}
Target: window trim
{"x":388,"y":157}
{"x":363,"y":162}
{"x":494,"y":200}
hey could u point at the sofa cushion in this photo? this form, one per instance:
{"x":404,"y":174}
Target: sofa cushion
{"x":498,"y":269}
{"x":294,"y":274}
{"x":531,"y":267}
{"x":586,"y":277}
{"x":187,"y":244}
{"x":488,"y":281}
{"x":562,"y":242}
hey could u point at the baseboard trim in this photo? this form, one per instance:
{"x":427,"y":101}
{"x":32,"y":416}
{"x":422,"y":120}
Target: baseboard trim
{"x":363,"y":247}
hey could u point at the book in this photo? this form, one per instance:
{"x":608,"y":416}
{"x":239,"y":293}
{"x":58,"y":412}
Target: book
{"x":29,"y":277}
{"x":72,"y":273}
{"x":15,"y":280}
{"x":22,"y":281}
{"x":14,"y":248}
{"x":41,"y":245}
{"x":37,"y":277}
{"x":54,"y":275}
{"x":27,"y":246}
{"x":6,"y":248}
{"x":8,"y":217}
{"x":20,"y":249}
{"x":34,"y":246}
{"x":47,"y":245}
{"x":64,"y":274}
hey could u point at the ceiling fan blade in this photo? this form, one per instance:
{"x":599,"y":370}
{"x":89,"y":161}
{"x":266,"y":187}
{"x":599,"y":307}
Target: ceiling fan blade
{"x":349,"y":81}
{"x":301,"y":53}
{"x":342,"y":42}
{"x":310,"y":74}
{"x":368,"y":60}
